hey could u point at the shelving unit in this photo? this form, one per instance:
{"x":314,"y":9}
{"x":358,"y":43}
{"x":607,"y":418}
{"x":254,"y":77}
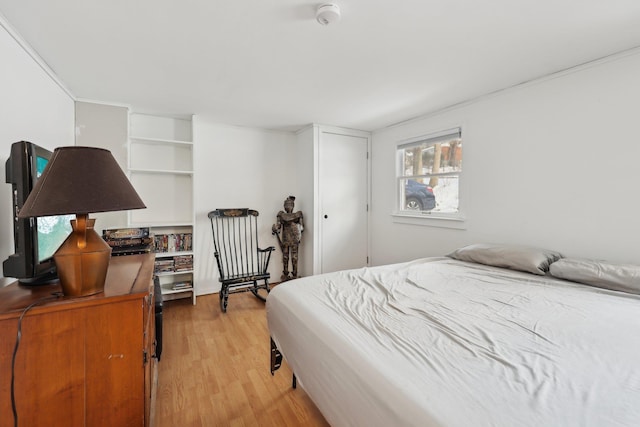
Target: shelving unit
{"x":168,"y":268}
{"x":161,"y":170}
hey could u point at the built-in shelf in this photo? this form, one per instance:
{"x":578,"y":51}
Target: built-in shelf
{"x":160,"y":224}
{"x":169,"y":291}
{"x":161,"y":170}
{"x":159,"y":140}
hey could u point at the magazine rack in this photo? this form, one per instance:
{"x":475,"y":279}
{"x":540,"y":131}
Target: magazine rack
{"x":241,"y":262}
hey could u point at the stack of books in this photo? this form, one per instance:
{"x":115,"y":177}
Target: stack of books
{"x":128,"y":241}
{"x":163,"y":265}
{"x":177,"y":286}
{"x":183,"y":262}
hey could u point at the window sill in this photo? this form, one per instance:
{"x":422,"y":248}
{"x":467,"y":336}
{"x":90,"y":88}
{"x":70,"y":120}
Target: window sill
{"x":430,"y":220}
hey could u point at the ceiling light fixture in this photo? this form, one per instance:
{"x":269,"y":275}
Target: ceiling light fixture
{"x":328,"y":13}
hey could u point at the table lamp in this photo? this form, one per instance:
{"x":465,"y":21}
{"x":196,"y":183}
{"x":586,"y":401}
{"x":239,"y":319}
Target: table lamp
{"x":81,"y":180}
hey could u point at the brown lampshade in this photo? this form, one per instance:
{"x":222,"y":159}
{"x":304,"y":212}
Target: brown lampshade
{"x":81,"y":180}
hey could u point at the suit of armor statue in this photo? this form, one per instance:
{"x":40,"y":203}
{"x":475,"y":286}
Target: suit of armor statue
{"x":288,"y":229}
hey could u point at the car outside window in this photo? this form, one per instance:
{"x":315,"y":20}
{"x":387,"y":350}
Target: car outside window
{"x":428,"y":175}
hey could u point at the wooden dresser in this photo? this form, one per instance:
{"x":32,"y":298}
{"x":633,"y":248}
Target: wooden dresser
{"x":81,"y":361}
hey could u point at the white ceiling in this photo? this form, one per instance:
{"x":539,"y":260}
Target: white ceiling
{"x":269,"y":64}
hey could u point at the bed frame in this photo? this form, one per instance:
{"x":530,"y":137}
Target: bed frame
{"x":276,"y":362}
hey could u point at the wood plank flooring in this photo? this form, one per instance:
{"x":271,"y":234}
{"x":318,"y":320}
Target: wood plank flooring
{"x":214,"y":369}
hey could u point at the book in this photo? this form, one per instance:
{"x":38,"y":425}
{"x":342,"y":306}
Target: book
{"x":128,"y":241}
{"x":183,"y":262}
{"x":163,"y":265}
{"x":182,"y":285}
{"x":137,"y":242}
{"x":125,"y":233}
{"x":173,"y":242}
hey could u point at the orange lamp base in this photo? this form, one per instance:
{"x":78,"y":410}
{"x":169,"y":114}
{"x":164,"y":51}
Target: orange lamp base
{"x":83,"y":259}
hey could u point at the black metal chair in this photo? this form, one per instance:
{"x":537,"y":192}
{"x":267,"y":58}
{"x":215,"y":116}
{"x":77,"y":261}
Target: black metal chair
{"x":241,"y":262}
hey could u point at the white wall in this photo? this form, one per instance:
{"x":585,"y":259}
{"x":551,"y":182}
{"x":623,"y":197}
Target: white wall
{"x":33,"y":107}
{"x":238,"y":167}
{"x":552,"y":164}
{"x":104,"y":126}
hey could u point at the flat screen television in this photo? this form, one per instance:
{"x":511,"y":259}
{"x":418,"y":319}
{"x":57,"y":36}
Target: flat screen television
{"x":35,"y":239}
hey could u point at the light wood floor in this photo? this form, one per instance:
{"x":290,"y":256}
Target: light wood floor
{"x":214,"y":369}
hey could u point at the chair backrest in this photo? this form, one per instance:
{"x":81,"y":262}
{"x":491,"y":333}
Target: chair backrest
{"x":235,"y":239}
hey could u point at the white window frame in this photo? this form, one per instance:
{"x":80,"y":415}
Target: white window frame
{"x":436,"y":219}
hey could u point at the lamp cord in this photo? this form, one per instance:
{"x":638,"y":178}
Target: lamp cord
{"x":55,"y":296}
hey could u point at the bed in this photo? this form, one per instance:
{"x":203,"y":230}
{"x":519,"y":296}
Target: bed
{"x":462,"y":341}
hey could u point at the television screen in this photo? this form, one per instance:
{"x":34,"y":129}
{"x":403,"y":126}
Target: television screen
{"x":35,"y":239}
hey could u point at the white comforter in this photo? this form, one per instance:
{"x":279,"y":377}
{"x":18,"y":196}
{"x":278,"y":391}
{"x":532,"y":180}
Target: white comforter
{"x":439,"y":342}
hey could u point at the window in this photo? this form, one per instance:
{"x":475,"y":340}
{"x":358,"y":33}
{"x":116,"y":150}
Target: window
{"x":428,"y":174}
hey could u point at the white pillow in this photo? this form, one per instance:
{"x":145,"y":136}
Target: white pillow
{"x":521,"y":258}
{"x":602,"y":274}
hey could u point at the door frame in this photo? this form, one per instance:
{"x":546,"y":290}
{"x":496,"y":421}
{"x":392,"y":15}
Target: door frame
{"x":318,"y":131}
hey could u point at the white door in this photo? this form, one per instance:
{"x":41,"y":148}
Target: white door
{"x":343,"y":201}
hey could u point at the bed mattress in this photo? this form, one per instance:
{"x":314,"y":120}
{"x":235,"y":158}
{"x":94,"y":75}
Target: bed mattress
{"x":440,"y":342}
